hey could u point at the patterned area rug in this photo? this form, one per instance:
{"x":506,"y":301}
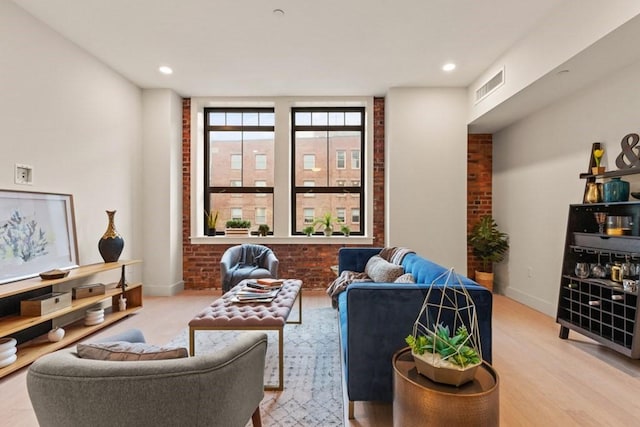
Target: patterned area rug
{"x":312,"y":394}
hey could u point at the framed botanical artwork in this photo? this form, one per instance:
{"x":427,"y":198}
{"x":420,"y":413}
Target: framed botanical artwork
{"x":37,"y":234}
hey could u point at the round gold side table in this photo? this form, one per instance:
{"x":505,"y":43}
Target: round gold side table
{"x":418,"y":401}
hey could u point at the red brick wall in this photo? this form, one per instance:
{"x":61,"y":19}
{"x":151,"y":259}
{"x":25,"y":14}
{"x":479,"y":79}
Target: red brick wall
{"x":479,"y":195}
{"x":311,"y":262}
{"x":304,"y":261}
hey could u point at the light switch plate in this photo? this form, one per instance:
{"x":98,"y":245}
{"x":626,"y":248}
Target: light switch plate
{"x":24,"y":174}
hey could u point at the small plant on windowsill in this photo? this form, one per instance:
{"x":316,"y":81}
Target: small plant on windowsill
{"x":326,"y":222}
{"x":212,"y":220}
{"x":345,"y":230}
{"x":237,"y":227}
{"x":263,"y":229}
{"x":309,"y":230}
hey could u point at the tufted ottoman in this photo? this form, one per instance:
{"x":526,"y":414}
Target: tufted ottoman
{"x":224,"y":314}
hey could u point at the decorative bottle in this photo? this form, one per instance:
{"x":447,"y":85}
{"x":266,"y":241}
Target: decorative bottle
{"x":111,"y":243}
{"x":594,"y":193}
{"x":615,"y":190}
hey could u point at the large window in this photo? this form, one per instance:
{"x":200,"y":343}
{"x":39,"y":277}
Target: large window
{"x":239,"y":167}
{"x":321,"y":139}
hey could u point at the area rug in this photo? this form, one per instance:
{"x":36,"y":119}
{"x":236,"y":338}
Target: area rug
{"x":312,"y":394}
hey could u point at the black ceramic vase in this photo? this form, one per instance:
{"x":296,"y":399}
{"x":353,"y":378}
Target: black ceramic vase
{"x":111,"y":243}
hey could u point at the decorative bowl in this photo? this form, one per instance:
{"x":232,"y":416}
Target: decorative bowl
{"x":54,"y":274}
{"x":8,"y":361}
{"x":636,"y":195}
{"x":433,"y":367}
{"x":7,"y":343}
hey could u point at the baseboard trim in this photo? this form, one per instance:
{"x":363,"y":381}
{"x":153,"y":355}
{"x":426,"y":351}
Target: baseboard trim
{"x":163,"y":291}
{"x":531,"y":301}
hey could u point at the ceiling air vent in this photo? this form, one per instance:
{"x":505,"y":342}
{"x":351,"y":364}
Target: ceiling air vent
{"x":494,"y":83}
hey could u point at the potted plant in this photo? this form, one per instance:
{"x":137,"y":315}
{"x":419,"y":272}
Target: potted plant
{"x":237,"y":227}
{"x":345,"y":230}
{"x":442,"y":356}
{"x":263,"y":229}
{"x":212,"y":219}
{"x":445,"y":358}
{"x":326,"y":221}
{"x":308,"y":230}
{"x":490,"y":245}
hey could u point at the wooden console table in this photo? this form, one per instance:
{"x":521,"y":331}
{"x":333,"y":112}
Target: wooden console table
{"x":418,"y":401}
{"x":30,"y":331}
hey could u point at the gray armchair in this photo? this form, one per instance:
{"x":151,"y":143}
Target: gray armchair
{"x":222,"y":389}
{"x":247,"y":261}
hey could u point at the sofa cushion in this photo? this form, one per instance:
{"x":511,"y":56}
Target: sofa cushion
{"x":127,"y":351}
{"x":382,"y":271}
{"x":405,"y":278}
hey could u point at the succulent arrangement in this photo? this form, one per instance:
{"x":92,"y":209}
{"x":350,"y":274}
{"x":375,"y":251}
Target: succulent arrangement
{"x":451,"y":348}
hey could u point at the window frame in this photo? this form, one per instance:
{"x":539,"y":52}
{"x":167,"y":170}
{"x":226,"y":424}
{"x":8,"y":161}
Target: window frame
{"x":341,"y":156}
{"x":360,"y":191}
{"x":356,"y":159}
{"x":231,"y":190}
{"x":195,"y":168}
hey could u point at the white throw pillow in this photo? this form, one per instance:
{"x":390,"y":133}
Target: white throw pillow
{"x":382,"y":271}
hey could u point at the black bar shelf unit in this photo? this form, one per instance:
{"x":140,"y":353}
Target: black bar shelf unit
{"x":596,"y":307}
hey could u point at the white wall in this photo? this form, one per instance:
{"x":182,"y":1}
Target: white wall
{"x":162,"y":195}
{"x":570,"y":28}
{"x":536,"y":166}
{"x":76,"y":122}
{"x":426,"y":173}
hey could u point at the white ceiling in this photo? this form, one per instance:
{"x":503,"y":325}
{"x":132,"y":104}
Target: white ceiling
{"x":330,"y":47}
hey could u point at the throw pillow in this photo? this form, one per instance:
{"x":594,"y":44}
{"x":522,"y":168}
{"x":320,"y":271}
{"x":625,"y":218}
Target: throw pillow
{"x":382,"y":271}
{"x":127,"y":351}
{"x":406,"y":278}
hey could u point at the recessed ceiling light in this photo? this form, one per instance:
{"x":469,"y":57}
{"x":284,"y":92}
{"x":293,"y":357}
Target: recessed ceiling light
{"x":449,"y":67}
{"x":165,"y":69}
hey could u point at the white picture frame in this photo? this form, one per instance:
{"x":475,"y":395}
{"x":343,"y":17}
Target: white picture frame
{"x":37,"y":234}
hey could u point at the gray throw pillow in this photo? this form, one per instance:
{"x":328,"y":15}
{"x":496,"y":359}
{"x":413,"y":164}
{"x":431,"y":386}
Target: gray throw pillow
{"x":406,"y":278}
{"x":382,"y":271}
{"x":127,"y":351}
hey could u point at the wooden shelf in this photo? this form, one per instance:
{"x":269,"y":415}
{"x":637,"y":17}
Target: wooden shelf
{"x":12,"y":324}
{"x":31,"y":350}
{"x":35,"y":347}
{"x":25,"y":285}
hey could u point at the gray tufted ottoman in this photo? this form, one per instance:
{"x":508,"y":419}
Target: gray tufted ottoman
{"x":224,"y":314}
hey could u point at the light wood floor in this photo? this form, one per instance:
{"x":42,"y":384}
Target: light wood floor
{"x":544,"y":381}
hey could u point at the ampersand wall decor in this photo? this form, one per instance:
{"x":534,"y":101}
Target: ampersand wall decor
{"x":628,"y":143}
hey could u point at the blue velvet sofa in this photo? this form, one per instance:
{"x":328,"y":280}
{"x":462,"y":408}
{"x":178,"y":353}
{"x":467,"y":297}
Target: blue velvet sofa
{"x":375,"y":318}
